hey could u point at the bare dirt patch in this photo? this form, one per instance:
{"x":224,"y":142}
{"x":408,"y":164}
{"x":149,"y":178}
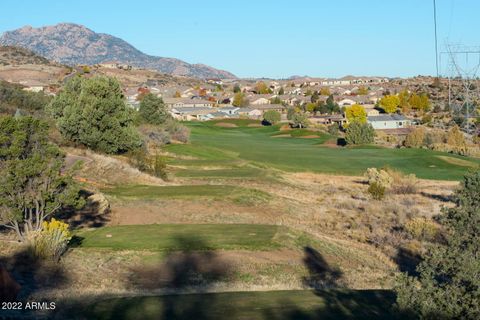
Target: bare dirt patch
{"x":281,"y":136}
{"x":254,"y":125}
{"x":226,"y":125}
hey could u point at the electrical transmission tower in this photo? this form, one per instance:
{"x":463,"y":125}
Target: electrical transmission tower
{"x":461,"y":68}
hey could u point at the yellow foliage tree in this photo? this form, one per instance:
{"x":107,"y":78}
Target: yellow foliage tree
{"x":390,"y":103}
{"x":324,"y":91}
{"x":362,"y":91}
{"x":419,"y":102}
{"x":356,"y":113}
{"x":403,"y":97}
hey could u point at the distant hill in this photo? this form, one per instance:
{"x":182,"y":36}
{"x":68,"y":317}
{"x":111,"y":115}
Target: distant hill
{"x":74,"y":44}
{"x":10,"y":55}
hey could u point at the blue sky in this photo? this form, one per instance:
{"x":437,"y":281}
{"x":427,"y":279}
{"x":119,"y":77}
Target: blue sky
{"x":277,"y":39}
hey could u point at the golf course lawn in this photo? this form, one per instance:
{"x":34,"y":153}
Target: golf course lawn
{"x":170,"y":237}
{"x":272,"y":305}
{"x":214,"y":145}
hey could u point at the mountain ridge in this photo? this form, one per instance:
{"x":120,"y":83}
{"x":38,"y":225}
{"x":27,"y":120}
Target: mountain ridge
{"x":74,"y":44}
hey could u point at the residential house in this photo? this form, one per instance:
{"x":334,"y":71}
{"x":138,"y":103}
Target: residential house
{"x":389,"y":121}
{"x":185,"y":102}
{"x":192,"y":113}
{"x":252,"y":113}
{"x":229,"y":110}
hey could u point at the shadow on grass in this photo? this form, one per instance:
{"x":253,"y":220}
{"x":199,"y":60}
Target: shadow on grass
{"x":94,"y":214}
{"x":321,"y":274}
{"x":437,"y":197}
{"x":407,"y":261}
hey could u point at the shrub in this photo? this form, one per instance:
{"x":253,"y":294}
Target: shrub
{"x":455,"y":137}
{"x":143,"y":161}
{"x":359,"y":133}
{"x":434,"y":137}
{"x":416,"y":138}
{"x":272,"y":116}
{"x":154,"y":137}
{"x":333,"y":129}
{"x":376,"y":190}
{"x":422,"y":229}
{"x":177,"y":131}
{"x":52,"y":240}
{"x":380,"y":177}
{"x":401,"y":183}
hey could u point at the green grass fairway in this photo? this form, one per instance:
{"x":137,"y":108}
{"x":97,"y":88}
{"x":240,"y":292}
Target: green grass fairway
{"x":213,"y":145}
{"x":171,"y":237}
{"x":230,"y":173}
{"x":273,"y":305}
{"x":154,"y":192}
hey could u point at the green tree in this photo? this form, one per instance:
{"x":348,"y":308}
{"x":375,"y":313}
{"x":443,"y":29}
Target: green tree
{"x":152,"y":110}
{"x":93,"y":112}
{"x":32,"y":184}
{"x":290,"y":113}
{"x":315,"y":96}
{"x":240,"y":100}
{"x":272,"y":116}
{"x":299,"y":120}
{"x":390,"y":103}
{"x":359,"y":133}
{"x":448,"y":285}
{"x":356,"y":113}
{"x":281,"y":91}
{"x":236,"y":88}
{"x":331,"y":105}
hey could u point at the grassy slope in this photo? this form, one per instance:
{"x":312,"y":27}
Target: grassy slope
{"x":215,"y":145}
{"x":167,"y":237}
{"x":331,"y":304}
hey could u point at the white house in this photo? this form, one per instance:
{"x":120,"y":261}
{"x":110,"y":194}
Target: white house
{"x":389,"y":121}
{"x":185,"y":102}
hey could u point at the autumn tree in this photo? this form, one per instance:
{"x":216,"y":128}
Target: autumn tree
{"x":403,"y":97}
{"x":152,"y":110}
{"x":262,"y":88}
{"x":271,"y":116}
{"x":240,"y":100}
{"x":177,"y":95}
{"x":362,"y":91}
{"x":390,"y":103}
{"x":356,"y":113}
{"x":325,"y":91}
{"x":416,"y":138}
{"x":33,"y":184}
{"x":448,"y":285}
{"x":419,"y":102}
{"x":455,"y":137}
{"x":93,"y":112}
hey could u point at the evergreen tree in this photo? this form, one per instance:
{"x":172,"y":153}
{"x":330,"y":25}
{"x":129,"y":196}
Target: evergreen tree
{"x":93,"y":112}
{"x":448,"y":286}
{"x":152,"y":110}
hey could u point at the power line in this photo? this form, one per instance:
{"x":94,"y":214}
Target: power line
{"x":435,"y":27}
